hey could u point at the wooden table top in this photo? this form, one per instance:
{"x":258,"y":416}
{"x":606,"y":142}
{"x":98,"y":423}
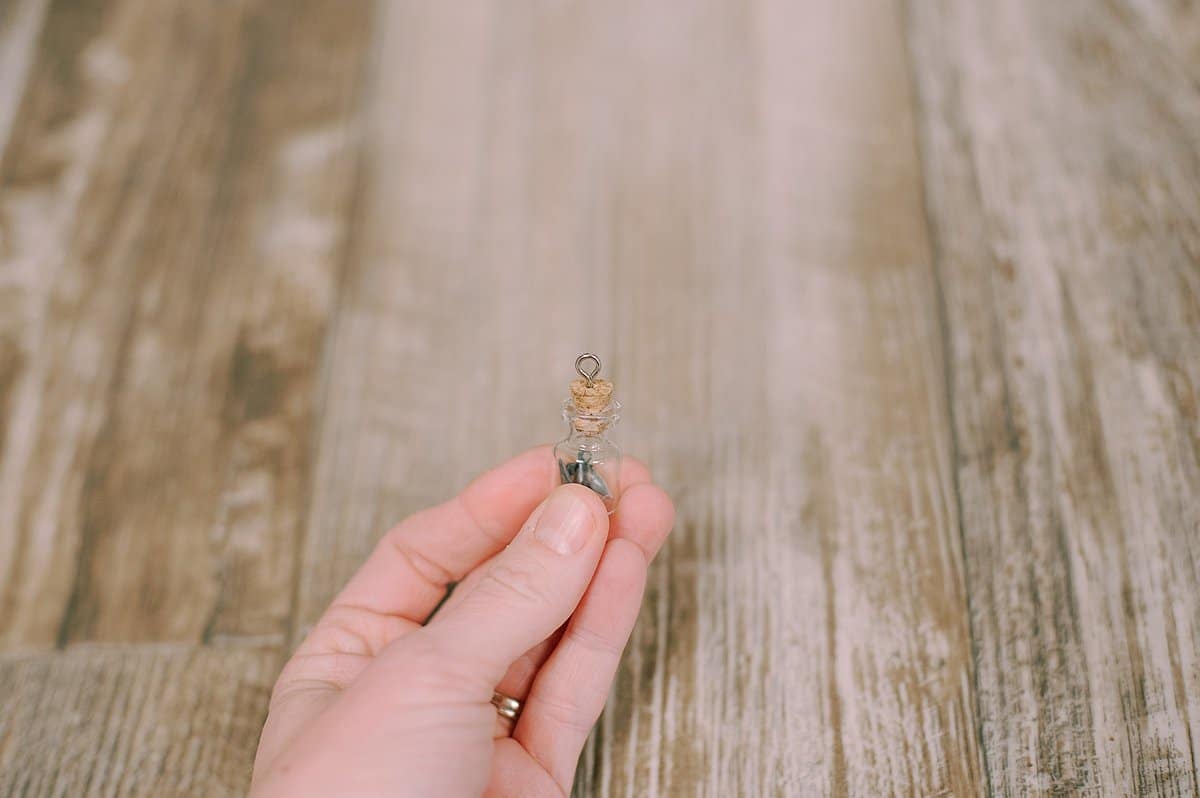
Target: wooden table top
{"x":902,"y":302}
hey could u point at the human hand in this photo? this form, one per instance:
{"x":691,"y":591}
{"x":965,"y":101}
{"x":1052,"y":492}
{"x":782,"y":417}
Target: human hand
{"x":375,"y":703}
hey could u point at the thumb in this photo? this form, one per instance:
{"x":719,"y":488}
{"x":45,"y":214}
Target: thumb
{"x":530,"y":589}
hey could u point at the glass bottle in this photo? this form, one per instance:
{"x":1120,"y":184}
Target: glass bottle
{"x":587,"y":456}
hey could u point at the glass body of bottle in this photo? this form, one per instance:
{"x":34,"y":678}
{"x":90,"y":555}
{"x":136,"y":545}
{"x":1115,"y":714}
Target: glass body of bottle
{"x":587,"y":456}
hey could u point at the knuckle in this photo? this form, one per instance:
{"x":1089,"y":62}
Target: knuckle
{"x":327,"y":672}
{"x":594,"y":642}
{"x":523,"y":582}
{"x":340,"y":631}
{"x":349,"y":629}
{"x":566,"y":713}
{"x":426,"y":569}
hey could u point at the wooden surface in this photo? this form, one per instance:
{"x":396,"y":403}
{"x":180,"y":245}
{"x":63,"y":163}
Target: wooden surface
{"x":902,"y":301}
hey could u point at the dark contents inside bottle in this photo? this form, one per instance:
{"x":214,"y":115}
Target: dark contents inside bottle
{"x":581,"y":472}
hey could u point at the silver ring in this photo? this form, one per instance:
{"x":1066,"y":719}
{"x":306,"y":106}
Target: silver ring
{"x":506,"y":707}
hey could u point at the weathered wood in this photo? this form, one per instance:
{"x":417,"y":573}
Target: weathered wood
{"x":858,"y":424}
{"x":147,"y":720}
{"x":903,"y":305}
{"x":1062,"y":151}
{"x":172,"y":248}
{"x":20,"y":25}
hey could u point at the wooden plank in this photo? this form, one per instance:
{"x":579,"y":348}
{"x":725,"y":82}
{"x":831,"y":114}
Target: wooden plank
{"x":733,"y":220}
{"x":175,"y":201}
{"x":154,"y":720}
{"x":463,"y":308}
{"x":808,"y":632}
{"x":814,"y":635}
{"x":1062,"y":160}
{"x":20,"y":25}
{"x":399,"y":397}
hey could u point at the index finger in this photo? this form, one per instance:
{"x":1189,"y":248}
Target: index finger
{"x":408,"y":572}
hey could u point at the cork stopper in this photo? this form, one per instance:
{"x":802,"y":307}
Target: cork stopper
{"x":591,"y":409}
{"x":591,"y":399}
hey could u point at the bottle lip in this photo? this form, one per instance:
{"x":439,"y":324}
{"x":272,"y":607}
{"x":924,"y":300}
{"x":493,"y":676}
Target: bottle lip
{"x":610,"y":414}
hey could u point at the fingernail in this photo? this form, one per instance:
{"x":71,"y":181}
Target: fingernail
{"x":565,"y":522}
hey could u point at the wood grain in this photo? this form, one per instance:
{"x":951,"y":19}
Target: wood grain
{"x":172,"y":247}
{"x":1062,"y":181}
{"x":902,"y":301}
{"x":20,"y":25}
{"x":132,"y":720}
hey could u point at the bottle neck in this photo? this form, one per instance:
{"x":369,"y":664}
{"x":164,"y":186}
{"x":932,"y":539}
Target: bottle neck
{"x":590,"y":424}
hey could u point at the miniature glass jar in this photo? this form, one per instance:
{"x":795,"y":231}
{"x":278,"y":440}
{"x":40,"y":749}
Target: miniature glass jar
{"x":587,"y":456}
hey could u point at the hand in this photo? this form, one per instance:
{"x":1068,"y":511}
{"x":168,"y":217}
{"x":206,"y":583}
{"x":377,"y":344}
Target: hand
{"x":375,"y":703}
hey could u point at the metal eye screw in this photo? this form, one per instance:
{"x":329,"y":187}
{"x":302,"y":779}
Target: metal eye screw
{"x":589,"y":375}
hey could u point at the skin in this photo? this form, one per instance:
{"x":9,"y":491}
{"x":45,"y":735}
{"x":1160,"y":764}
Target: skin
{"x":376,"y":701}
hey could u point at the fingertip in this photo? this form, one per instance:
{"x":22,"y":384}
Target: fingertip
{"x":645,"y":517}
{"x":634,"y":472}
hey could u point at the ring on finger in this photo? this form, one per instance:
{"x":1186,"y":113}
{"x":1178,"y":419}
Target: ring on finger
{"x":507,"y":707}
